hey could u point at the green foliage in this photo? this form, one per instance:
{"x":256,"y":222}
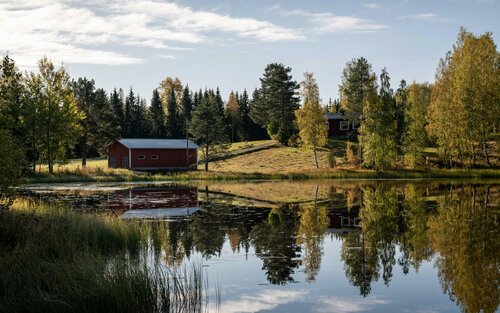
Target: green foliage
{"x":10,"y":166}
{"x":415,"y":138}
{"x":464,"y":108}
{"x":56,"y":117}
{"x":357,"y":83}
{"x":208,"y":128}
{"x":173,"y":118}
{"x":157,"y":115}
{"x":98,"y":127}
{"x":378,"y":129}
{"x":350,"y":157}
{"x":311,"y":117}
{"x":275,"y":102}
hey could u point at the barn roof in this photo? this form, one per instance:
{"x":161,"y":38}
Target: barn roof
{"x":133,"y":143}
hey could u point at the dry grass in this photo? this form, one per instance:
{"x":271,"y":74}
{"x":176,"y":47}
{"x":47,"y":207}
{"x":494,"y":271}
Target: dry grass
{"x":274,"y":160}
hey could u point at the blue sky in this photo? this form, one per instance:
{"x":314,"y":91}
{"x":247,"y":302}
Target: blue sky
{"x":227,"y":43}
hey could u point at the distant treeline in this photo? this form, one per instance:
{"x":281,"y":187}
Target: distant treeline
{"x":47,"y":116}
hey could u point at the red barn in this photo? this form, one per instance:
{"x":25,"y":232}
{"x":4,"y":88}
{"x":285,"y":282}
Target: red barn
{"x":152,"y":154}
{"x":339,"y":126}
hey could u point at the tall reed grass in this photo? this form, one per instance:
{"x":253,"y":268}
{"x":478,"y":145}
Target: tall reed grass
{"x":53,"y":259}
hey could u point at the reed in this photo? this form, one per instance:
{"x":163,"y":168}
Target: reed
{"x":53,"y":259}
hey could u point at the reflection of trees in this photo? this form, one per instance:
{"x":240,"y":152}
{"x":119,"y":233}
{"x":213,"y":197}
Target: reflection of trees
{"x":274,"y":243}
{"x":465,"y":232}
{"x":373,"y":249}
{"x":414,"y":241}
{"x":313,"y":224}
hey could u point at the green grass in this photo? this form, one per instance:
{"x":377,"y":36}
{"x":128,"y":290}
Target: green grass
{"x":53,"y":259}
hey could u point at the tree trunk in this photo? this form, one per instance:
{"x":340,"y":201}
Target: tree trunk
{"x":315,"y":157}
{"x":206,"y":159}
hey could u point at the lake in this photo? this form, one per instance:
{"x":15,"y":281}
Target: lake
{"x":318,"y":246}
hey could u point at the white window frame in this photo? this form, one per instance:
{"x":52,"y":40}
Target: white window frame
{"x":354,"y":126}
{"x":154,"y":157}
{"x":141,"y":157}
{"x":344,"y":125}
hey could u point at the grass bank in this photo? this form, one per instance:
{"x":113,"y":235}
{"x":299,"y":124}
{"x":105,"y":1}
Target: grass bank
{"x":53,"y":259}
{"x":271,"y":163}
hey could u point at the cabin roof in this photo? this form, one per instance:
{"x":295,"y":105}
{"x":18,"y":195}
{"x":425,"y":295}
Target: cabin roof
{"x":136,"y":143}
{"x":334,"y":116}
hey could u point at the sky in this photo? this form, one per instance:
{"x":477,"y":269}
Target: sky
{"x":228,"y":43}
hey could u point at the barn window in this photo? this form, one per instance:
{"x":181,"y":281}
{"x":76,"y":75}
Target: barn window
{"x":141,"y":157}
{"x":112,"y":162}
{"x":154,"y":157}
{"x":344,"y":125}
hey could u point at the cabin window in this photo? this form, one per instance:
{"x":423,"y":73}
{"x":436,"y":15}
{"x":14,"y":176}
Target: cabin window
{"x":141,"y":157}
{"x":354,"y":126}
{"x":344,"y":125}
{"x":112,"y":162}
{"x":154,"y":157}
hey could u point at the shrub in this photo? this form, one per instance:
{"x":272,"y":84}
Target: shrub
{"x":332,"y":161}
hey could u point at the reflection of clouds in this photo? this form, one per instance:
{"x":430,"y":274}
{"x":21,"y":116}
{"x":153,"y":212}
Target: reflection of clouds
{"x":263,"y":300}
{"x":348,"y":305}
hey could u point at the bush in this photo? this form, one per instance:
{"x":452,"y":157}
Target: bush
{"x":10,"y":168}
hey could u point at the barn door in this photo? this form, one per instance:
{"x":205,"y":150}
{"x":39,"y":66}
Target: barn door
{"x":125,"y":162}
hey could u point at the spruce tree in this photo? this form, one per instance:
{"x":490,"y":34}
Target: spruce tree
{"x":186,"y":106}
{"x":173,"y":125}
{"x":128,"y":114}
{"x":117,"y":105}
{"x":157,"y":117}
{"x":208,"y":128}
{"x":401,"y":102}
{"x":275,"y":103}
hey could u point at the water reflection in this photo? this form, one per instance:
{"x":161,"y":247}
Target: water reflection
{"x":385,"y":231}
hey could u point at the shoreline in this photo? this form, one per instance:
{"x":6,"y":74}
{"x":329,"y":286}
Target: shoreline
{"x":40,"y":178}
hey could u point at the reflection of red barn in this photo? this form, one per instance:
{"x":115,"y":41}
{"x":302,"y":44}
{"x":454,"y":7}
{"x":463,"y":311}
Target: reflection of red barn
{"x":338,"y":126}
{"x":152,"y":154}
{"x":154,"y":198}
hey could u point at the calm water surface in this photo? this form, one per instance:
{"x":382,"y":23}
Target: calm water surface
{"x":329,"y":246}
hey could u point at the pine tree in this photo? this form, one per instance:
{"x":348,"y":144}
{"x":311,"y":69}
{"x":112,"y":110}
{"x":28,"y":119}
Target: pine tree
{"x":157,"y":117}
{"x":186,"y":106}
{"x":220,"y":102}
{"x":98,"y":126}
{"x":117,"y":105}
{"x":208,"y":128}
{"x":246,"y":122}
{"x":414,"y":140}
{"x":311,"y":117}
{"x":378,"y":130}
{"x":275,"y":103}
{"x":173,"y":123}
{"x":127,"y":130}
{"x":357,"y":84}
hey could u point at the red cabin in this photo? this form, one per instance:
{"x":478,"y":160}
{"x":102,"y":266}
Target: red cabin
{"x":339,"y":126}
{"x":152,"y":154}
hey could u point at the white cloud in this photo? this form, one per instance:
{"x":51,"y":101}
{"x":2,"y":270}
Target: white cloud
{"x":426,"y":17}
{"x":371,"y":6}
{"x":264,"y":300}
{"x":330,"y":23}
{"x":73,"y":32}
{"x":348,"y":305}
